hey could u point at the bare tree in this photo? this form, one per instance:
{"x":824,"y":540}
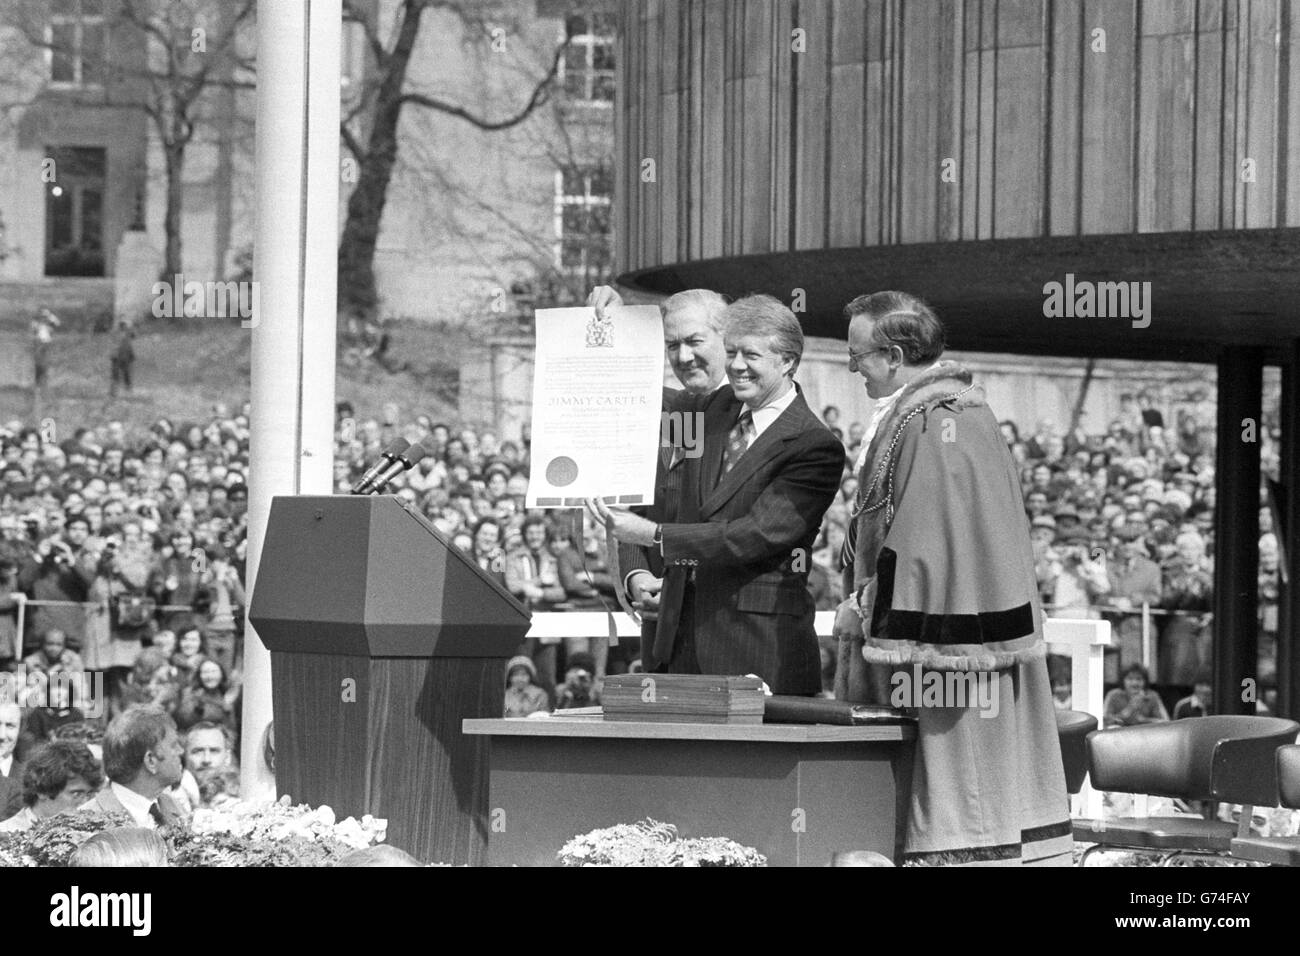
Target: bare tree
{"x":165,"y":58}
{"x":370,"y":127}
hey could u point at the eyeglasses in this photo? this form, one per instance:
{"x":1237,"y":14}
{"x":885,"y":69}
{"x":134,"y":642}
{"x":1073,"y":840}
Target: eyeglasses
{"x":856,"y":357}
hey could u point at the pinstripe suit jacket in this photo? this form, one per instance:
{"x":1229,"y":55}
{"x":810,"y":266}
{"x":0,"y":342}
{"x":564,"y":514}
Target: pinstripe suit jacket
{"x":670,"y":470}
{"x":748,"y":535}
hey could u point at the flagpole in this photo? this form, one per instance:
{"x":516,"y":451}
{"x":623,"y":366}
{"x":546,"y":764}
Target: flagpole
{"x":295,"y":268}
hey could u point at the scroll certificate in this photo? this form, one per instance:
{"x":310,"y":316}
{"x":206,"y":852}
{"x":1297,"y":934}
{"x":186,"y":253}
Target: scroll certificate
{"x":597,"y":397}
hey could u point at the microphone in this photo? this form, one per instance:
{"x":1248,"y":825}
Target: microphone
{"x":400,"y":464}
{"x":388,"y":456}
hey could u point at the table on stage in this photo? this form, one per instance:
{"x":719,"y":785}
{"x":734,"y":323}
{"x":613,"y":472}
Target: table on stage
{"x":796,"y":792}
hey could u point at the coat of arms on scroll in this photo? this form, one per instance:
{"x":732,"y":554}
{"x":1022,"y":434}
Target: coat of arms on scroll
{"x":600,"y":333}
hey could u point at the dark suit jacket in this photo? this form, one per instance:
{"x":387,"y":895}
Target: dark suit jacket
{"x":749,"y":536}
{"x":670,"y":470}
{"x":11,"y":790}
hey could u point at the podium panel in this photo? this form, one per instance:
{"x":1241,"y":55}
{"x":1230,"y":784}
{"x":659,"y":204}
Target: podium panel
{"x":384,"y":637}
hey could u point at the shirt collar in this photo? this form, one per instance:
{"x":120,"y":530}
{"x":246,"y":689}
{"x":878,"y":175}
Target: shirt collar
{"x":135,"y":804}
{"x":7,"y":764}
{"x":770,"y":412}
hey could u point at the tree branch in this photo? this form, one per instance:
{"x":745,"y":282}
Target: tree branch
{"x":541,"y":93}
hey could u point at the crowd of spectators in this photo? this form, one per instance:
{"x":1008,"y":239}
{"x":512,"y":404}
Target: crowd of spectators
{"x":130,"y":548}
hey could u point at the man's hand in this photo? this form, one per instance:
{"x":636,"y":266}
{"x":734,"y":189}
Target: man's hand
{"x":627,"y":527}
{"x":643,"y":589}
{"x":848,"y":623}
{"x":602,"y":298}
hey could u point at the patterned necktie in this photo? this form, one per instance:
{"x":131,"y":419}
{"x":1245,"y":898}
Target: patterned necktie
{"x":155,"y":811}
{"x":738,"y":441}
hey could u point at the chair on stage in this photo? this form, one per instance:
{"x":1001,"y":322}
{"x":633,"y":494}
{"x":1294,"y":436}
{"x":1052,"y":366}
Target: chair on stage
{"x":1225,"y":758}
{"x":1278,"y":851}
{"x":1073,"y":728}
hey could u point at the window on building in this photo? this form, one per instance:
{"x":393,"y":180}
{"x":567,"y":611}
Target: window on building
{"x":587,"y":69}
{"x":77,"y":42}
{"x":583,"y":201}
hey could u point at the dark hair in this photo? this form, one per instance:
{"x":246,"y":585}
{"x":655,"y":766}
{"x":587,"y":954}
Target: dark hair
{"x":50,"y":768}
{"x":215,"y":781}
{"x":222,"y":686}
{"x":535,"y":520}
{"x":132,"y":734}
{"x":904,"y":320}
{"x":1140,"y":671}
{"x":77,"y":518}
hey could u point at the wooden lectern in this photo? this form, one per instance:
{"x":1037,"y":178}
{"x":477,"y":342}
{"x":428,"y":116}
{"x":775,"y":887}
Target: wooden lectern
{"x":384,"y":637}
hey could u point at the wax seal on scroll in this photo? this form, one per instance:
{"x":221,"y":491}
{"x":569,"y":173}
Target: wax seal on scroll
{"x":561,"y":471}
{"x":600,"y":333}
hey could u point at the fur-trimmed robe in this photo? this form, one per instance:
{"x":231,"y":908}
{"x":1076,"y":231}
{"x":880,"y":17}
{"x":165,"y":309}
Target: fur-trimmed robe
{"x":939,"y":547}
{"x":943,"y":574}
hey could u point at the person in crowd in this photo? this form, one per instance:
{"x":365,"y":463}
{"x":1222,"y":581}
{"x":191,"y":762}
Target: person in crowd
{"x":1186,"y":640}
{"x":11,"y":768}
{"x":1134,"y":702}
{"x":533,"y":575}
{"x":579,"y":688}
{"x":211,"y":697}
{"x":218,"y":787}
{"x":190,"y":653}
{"x":50,"y":703}
{"x":58,"y":778}
{"x":59,"y":571}
{"x":209,"y":746}
{"x":1198,"y":703}
{"x":1134,"y":580}
{"x":1270,"y":590}
{"x":54,"y":655}
{"x":1077,"y":578}
{"x":523,"y":696}
{"x":142,"y":760}
{"x":153,"y":680}
{"x":940,"y":536}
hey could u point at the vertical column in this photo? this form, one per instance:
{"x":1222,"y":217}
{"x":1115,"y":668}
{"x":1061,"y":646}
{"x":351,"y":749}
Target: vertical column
{"x":1236,"y":527}
{"x":296,"y":270}
{"x":1288,"y":654}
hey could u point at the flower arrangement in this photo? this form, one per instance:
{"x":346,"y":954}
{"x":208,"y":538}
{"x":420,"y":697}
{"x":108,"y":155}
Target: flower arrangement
{"x":240,"y":833}
{"x":651,"y":843}
{"x":52,"y":842}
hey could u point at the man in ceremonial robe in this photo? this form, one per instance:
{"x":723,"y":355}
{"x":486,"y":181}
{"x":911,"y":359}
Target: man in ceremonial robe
{"x":940,"y":578}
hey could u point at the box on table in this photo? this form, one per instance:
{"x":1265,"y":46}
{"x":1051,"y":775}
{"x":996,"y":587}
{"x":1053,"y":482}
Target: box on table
{"x":684,"y":698}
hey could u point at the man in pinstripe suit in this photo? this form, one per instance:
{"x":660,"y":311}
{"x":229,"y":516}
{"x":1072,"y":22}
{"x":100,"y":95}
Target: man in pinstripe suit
{"x":748,"y":511}
{"x":693,"y":327}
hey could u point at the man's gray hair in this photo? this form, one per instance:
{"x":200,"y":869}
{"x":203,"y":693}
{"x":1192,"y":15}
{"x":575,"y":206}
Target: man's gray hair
{"x":904,"y":320}
{"x":710,"y":303}
{"x":131,"y":735}
{"x":765,"y":315}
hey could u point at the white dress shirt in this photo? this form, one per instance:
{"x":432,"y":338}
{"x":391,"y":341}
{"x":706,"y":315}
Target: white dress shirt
{"x":136,"y":805}
{"x":878,"y":414}
{"x":763,"y":418}
{"x":7,"y":764}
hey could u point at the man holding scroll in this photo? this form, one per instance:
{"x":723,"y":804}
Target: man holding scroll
{"x":749,"y":506}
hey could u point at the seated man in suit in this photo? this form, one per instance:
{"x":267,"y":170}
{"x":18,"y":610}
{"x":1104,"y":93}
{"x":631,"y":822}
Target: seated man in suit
{"x":735,"y":598}
{"x":142,"y":759}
